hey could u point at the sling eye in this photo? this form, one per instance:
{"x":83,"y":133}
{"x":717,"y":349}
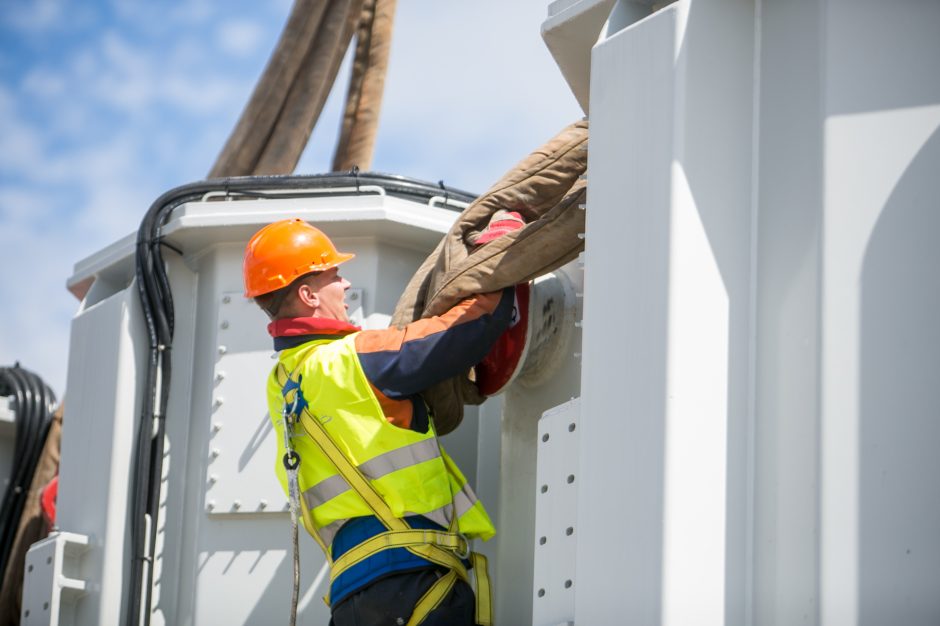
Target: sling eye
{"x":291,"y":460}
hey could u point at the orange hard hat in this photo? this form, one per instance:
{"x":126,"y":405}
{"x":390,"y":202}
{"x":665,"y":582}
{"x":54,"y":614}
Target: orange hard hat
{"x":281,"y":252}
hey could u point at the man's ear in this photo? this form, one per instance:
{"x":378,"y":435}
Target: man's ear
{"x":308,"y":296}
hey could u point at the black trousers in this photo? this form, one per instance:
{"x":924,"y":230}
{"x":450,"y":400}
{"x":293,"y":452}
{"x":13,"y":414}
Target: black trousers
{"x":390,"y":601}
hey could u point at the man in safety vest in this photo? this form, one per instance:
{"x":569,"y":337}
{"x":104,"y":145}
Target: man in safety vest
{"x":390,"y":509}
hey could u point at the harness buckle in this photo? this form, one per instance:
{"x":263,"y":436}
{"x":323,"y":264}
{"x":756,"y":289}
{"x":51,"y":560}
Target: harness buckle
{"x":465,"y":553}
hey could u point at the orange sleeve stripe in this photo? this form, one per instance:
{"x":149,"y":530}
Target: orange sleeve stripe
{"x":397,"y":412}
{"x":392,"y":339}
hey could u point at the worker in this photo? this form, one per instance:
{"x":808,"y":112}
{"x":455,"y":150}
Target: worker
{"x":389,"y":508}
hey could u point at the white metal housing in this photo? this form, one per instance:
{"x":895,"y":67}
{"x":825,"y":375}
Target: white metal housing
{"x":760,"y":353}
{"x":223,"y":535}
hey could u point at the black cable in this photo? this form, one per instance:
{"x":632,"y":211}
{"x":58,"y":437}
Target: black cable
{"x":156,"y":300}
{"x":33,"y":404}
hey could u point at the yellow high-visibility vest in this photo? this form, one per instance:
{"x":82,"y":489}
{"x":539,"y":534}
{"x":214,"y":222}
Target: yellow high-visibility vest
{"x":408,"y":469}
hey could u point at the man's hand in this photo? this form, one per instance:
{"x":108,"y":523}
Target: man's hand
{"x":501,"y":223}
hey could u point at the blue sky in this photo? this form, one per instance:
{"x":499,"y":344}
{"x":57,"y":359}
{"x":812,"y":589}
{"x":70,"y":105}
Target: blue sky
{"x":105,"y":104}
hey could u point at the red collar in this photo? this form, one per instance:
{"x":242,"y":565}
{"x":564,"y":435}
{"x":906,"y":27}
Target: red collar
{"x":297,"y":326}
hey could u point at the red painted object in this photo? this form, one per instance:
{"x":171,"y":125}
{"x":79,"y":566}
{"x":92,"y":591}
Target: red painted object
{"x":498,"y":368}
{"x":47,"y":500}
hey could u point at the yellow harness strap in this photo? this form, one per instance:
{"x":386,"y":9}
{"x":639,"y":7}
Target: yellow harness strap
{"x":432,"y":598}
{"x":397,"y":539}
{"x":436,"y":546}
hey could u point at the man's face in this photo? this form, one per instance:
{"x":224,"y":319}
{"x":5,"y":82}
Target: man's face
{"x":331,"y":289}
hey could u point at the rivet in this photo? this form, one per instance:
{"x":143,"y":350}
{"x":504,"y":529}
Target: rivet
{"x":545,"y":437}
{"x":571,"y":427}
{"x":542,"y":540}
{"x":237,"y":504}
{"x":210,"y":505}
{"x":213,"y":478}
{"x":544,"y":488}
{"x":541,"y":593}
{"x":569,"y":531}
{"x":568,"y":584}
{"x":570,"y":478}
{"x":263,"y":504}
{"x":222,"y":349}
{"x":225,"y":323}
{"x":220,"y":376}
{"x":217,"y":426}
{"x":226,"y":299}
{"x":215,"y":452}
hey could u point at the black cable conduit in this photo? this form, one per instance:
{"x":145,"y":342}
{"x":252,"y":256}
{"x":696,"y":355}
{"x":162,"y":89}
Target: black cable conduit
{"x":33,"y":404}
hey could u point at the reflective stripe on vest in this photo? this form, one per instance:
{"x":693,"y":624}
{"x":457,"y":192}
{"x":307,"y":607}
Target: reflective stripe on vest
{"x":378,"y":467}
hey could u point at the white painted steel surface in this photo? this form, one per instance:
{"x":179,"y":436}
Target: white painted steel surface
{"x":553,"y":305}
{"x":757,"y":381}
{"x":556,"y":513}
{"x":53,"y":579}
{"x":569,"y":32}
{"x":106,"y":357}
{"x":523,"y":405}
{"x":880,"y":343}
{"x":239,"y":469}
{"x":7,"y":440}
{"x":7,"y":416}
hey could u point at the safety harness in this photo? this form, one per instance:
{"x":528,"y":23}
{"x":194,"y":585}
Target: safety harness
{"x":447,"y":549}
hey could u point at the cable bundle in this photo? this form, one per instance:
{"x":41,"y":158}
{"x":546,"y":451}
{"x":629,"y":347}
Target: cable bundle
{"x":33,"y":403}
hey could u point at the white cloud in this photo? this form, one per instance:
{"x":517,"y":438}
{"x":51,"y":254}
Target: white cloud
{"x":20,"y":146}
{"x":124,"y":75}
{"x":36,"y":15}
{"x":23,"y":207}
{"x":193,"y":95}
{"x":44,"y":83}
{"x":193,"y":12}
{"x":239,"y":38}
{"x":37,"y":308}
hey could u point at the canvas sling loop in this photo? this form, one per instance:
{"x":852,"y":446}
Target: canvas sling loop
{"x":443,"y":548}
{"x":291,"y":462}
{"x":548,"y":189}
